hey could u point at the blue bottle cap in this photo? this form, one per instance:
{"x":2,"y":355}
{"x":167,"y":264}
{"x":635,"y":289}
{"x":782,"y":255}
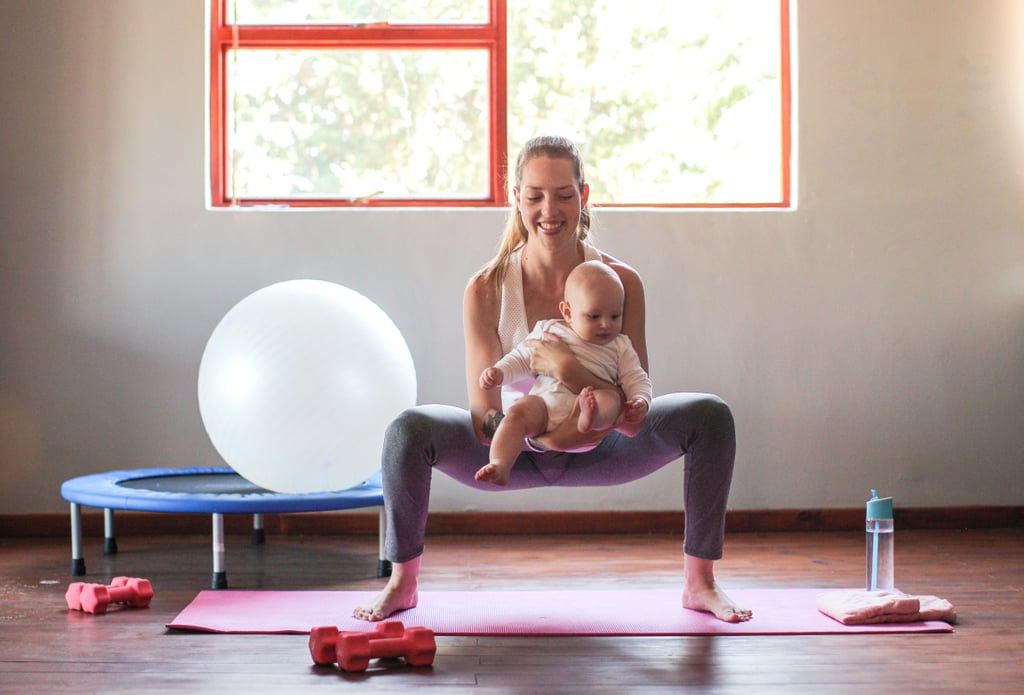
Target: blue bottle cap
{"x":879,"y":508}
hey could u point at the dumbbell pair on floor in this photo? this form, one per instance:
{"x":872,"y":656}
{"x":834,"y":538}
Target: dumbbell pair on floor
{"x":353,"y":650}
{"x":95,"y":598}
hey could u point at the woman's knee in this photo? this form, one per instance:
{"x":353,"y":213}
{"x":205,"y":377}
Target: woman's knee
{"x":717,"y":412}
{"x":408,"y":431}
{"x":427,"y":431}
{"x":705,"y":405}
{"x":717,"y":423}
{"x":695,"y":413}
{"x":409,"y":421}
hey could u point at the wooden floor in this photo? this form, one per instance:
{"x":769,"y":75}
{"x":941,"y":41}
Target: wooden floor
{"x":44,"y":648}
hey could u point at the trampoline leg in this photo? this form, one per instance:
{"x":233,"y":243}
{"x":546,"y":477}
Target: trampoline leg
{"x":220,"y":577}
{"x":77,"y":561}
{"x":109,"y":541}
{"x":383,"y":566}
{"x":259,"y":537}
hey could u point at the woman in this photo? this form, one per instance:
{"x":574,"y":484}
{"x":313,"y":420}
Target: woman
{"x":544,"y":240}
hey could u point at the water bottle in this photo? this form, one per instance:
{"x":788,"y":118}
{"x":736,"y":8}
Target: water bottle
{"x":879,"y":531}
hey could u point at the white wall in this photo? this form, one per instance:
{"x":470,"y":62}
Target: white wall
{"x":871,"y":338}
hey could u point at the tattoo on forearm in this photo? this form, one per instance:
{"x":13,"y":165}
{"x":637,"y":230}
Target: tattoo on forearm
{"x":491,"y":421}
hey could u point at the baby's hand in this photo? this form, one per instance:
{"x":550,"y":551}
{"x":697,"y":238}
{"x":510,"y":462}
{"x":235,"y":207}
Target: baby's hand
{"x":491,"y":377}
{"x":636,"y":411}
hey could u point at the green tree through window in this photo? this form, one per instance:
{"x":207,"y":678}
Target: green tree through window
{"x":673,"y":102}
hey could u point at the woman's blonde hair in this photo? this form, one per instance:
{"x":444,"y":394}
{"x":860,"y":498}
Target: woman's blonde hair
{"x":515,"y":235}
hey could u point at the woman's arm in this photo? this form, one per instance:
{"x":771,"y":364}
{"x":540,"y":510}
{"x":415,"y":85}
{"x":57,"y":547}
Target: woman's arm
{"x":634,"y":311}
{"x":480,"y":307}
{"x":553,"y":357}
{"x":634,"y":322}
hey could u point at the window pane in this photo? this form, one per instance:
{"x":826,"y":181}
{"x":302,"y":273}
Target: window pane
{"x":357,"y":11}
{"x":353,"y":124}
{"x":670,"y":102}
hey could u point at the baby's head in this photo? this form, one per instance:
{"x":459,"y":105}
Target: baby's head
{"x":593,"y":302}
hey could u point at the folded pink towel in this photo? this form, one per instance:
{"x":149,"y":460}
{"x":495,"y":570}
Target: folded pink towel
{"x":856,"y":607}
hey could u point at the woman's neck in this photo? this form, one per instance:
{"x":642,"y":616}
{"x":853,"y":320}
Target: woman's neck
{"x":544,"y":273}
{"x":542,"y":259}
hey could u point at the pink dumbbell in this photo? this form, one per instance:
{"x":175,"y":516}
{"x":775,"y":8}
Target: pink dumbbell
{"x":323,"y":641}
{"x":94,"y":598}
{"x":416,"y":646}
{"x":74,"y":593}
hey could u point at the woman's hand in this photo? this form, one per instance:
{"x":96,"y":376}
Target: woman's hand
{"x":634,"y":414}
{"x":550,"y":356}
{"x":635,"y":411}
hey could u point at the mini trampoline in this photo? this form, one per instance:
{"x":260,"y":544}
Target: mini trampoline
{"x":215,"y":491}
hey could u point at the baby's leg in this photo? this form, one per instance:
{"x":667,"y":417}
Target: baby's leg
{"x":527,"y":417}
{"x":599,"y":409}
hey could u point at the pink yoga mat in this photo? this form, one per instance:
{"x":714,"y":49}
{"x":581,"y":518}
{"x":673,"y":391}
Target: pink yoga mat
{"x":642,"y":612}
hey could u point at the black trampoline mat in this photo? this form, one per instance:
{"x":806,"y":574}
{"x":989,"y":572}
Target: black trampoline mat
{"x":197,"y":483}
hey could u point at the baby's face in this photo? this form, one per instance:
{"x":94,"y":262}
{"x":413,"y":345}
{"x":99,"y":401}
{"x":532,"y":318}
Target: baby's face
{"x":595,"y":313}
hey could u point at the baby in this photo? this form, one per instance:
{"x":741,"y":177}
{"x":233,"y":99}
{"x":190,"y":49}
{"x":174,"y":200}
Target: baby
{"x":592,"y":328}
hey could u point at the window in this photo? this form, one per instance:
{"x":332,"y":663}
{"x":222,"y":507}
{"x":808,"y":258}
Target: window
{"x":424,"y":102}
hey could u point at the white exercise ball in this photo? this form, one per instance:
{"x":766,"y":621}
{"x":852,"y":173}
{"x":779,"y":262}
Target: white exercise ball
{"x":298,"y":383}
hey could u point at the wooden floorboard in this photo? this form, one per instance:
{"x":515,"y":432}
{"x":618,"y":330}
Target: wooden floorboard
{"x":359,"y":522}
{"x":44,"y":648}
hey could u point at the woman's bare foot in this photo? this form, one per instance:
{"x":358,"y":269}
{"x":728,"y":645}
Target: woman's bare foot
{"x":716,"y":602}
{"x":588,"y":408}
{"x":401,"y":593}
{"x":702,"y":593}
{"x":494,"y":472}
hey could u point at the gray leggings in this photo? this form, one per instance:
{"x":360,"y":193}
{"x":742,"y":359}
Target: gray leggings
{"x":699,"y":426}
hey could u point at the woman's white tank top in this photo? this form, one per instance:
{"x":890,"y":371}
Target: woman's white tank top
{"x":512,"y":325}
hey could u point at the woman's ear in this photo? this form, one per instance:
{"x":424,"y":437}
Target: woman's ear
{"x":584,"y":194}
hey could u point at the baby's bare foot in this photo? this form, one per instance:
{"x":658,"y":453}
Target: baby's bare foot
{"x":388,"y":602}
{"x":588,"y":408}
{"x":494,"y":473}
{"x":715,"y":601}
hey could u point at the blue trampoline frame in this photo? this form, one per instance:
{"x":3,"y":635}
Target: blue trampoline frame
{"x":103,"y":490}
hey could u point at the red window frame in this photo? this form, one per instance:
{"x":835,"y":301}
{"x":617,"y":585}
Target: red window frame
{"x":225,"y":36}
{"x":490,"y":37}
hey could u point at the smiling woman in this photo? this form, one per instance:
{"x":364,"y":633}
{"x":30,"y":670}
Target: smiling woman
{"x":524,"y":285}
{"x":345,"y":103}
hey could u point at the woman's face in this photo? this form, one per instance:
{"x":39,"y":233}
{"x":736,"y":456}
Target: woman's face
{"x":549,"y":198}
